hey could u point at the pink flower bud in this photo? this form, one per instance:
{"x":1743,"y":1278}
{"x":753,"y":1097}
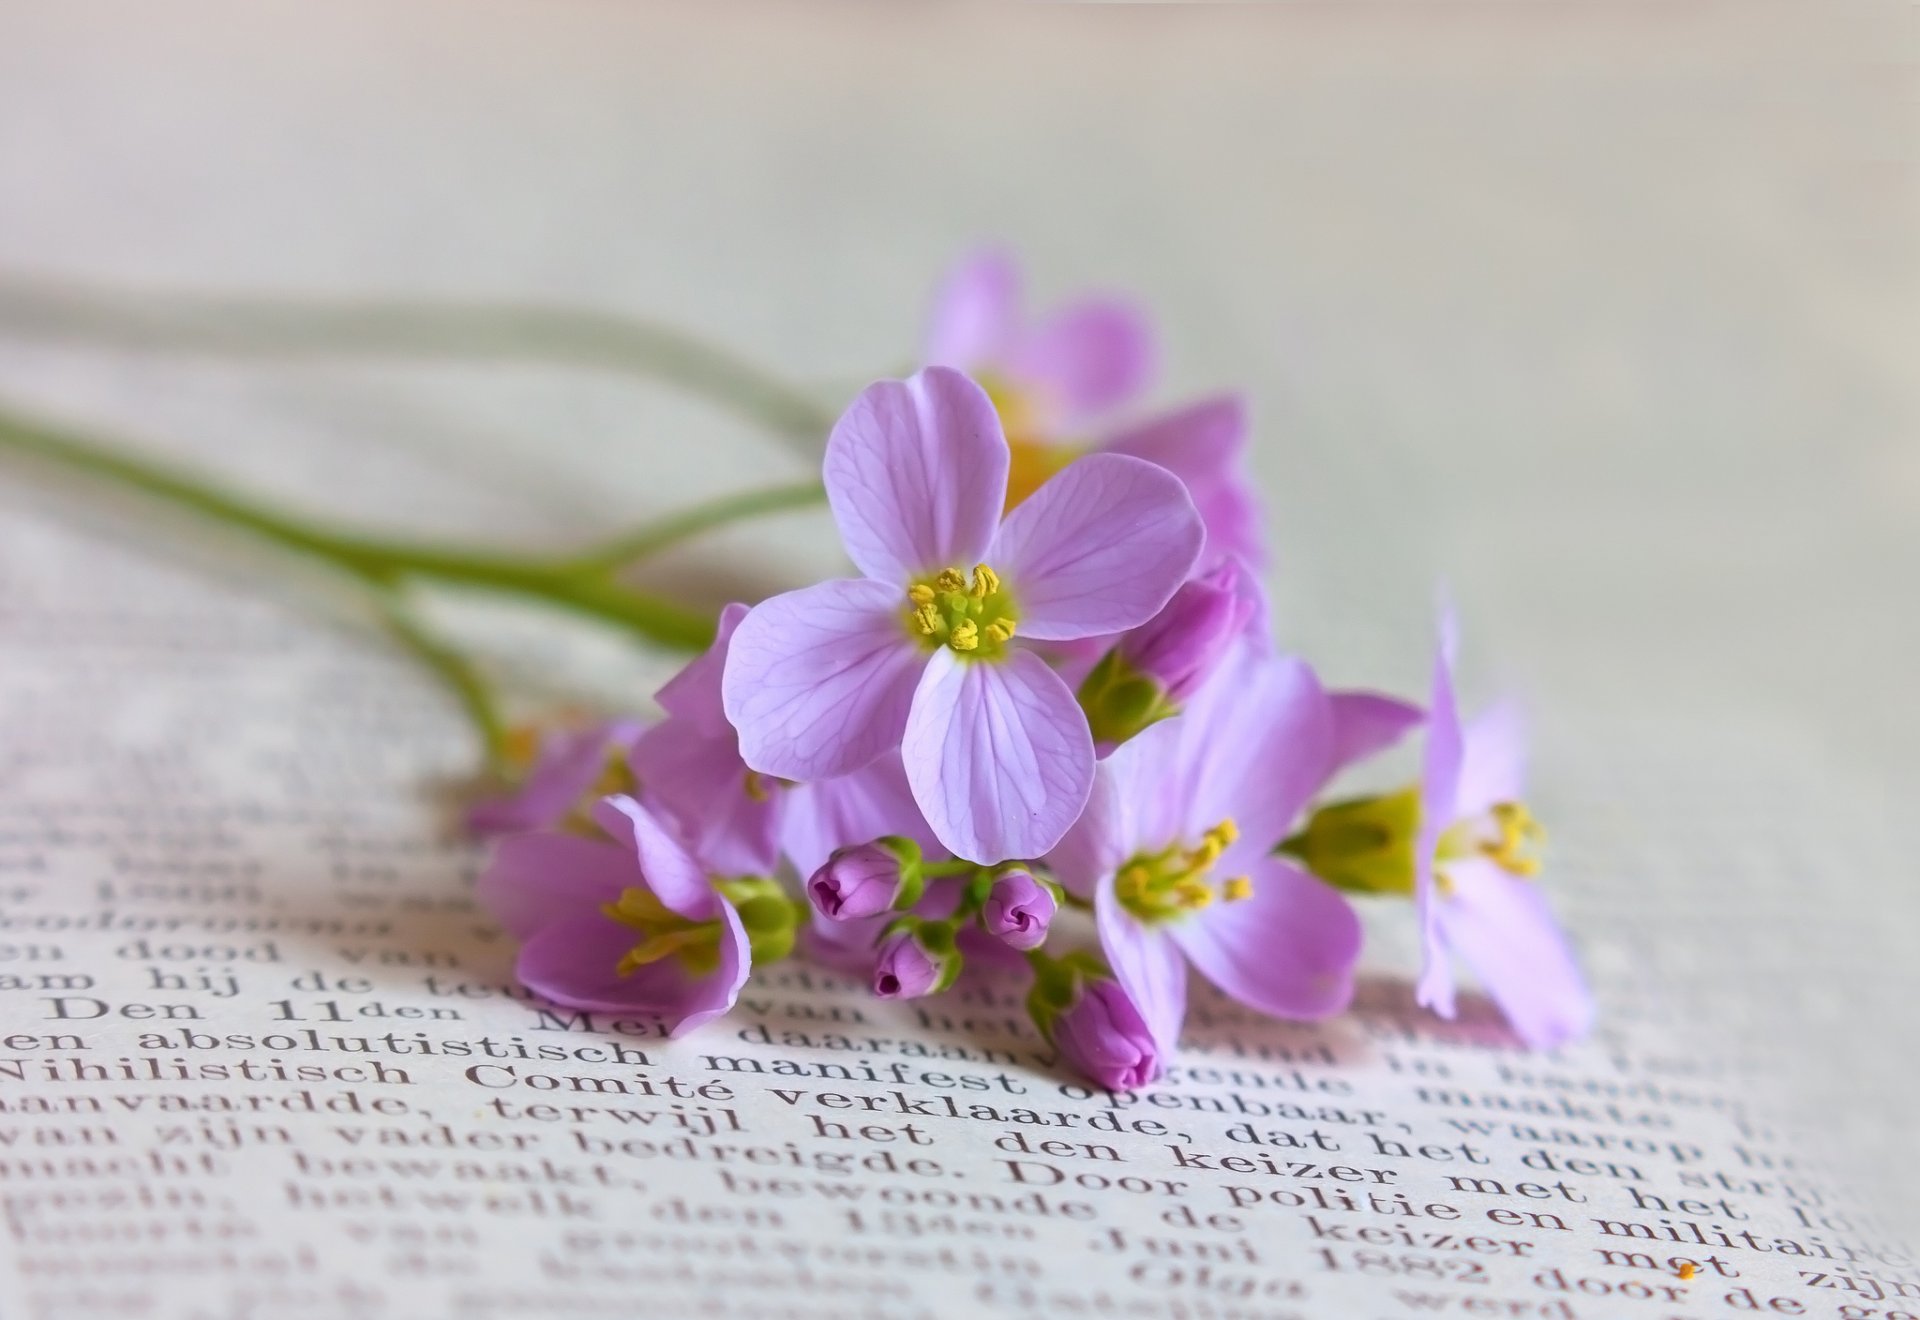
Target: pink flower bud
{"x":904,"y":968}
{"x":855,"y":882}
{"x":1180,"y":646}
{"x":1018,"y":910}
{"x":1104,"y":1036}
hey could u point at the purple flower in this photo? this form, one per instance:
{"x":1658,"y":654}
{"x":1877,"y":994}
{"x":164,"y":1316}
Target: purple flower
{"x":1176,"y":848}
{"x":1054,"y":380}
{"x":625,"y":923}
{"x":1106,"y":1039}
{"x":690,"y":771}
{"x":858,"y":881}
{"x":915,"y":961}
{"x":1018,"y":909}
{"x":1474,"y":861}
{"x":1152,"y":671}
{"x":573,"y":768}
{"x":931,"y":655}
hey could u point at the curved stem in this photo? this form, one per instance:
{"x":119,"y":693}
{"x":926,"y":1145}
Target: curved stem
{"x":654,"y":537}
{"x":460,"y":675}
{"x":270,"y":326}
{"x":377,"y":561}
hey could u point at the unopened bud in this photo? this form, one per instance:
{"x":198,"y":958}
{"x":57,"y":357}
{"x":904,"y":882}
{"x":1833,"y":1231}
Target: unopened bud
{"x":866,"y":879}
{"x":916,"y":959}
{"x":1018,"y":909}
{"x":1181,"y":645}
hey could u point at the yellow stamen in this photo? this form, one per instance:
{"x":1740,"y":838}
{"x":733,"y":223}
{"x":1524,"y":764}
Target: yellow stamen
{"x":1226,"y":831}
{"x":756,"y":787}
{"x":1517,"y":848}
{"x":521,"y":744}
{"x":949,"y":579}
{"x":965,"y":636}
{"x":1001,"y":630}
{"x":1194,"y":894}
{"x":985,"y":582}
{"x":920,"y":594}
{"x":1236,"y":888}
{"x":927,"y":620}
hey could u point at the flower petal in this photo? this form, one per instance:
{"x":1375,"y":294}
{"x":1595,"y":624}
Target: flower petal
{"x":1493,"y":764}
{"x":916,"y":472}
{"x":665,"y":866}
{"x":1367,"y":722}
{"x":1098,"y":549}
{"x":1086,"y":358}
{"x":998,"y":754}
{"x":1501,"y":925}
{"x":727,"y":814}
{"x":1147,"y":965}
{"x":1135,"y":806}
{"x":568,"y":766}
{"x":1202,"y":444}
{"x":693,"y":694}
{"x":1288,"y":949}
{"x":976,"y":311}
{"x":576,"y":963}
{"x":535,"y":880}
{"x":1439,"y":787}
{"x":819,"y":680}
{"x":1256,"y":741}
{"x":855,"y":808}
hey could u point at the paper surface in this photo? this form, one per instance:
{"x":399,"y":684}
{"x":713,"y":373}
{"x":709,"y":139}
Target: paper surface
{"x":262,"y":1055}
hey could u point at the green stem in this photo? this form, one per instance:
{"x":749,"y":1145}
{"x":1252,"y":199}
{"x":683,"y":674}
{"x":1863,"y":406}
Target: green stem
{"x":377,"y":561}
{"x":654,"y":537}
{"x":459,"y":674}
{"x":187,"y":323}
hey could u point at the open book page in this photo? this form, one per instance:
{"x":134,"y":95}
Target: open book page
{"x":262,"y":1056}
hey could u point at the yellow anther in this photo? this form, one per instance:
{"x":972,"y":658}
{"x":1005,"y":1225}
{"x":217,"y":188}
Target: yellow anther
{"x":521,"y":744}
{"x":965,"y":636}
{"x":927,"y":620}
{"x":1443,"y":883}
{"x":637,"y":908}
{"x":1226,"y":831}
{"x":1134,"y":880}
{"x":1207,"y":853}
{"x":756,"y":787}
{"x":1193,"y":894}
{"x":1517,"y":848}
{"x":950,"y":579}
{"x":1001,"y":630}
{"x":985,"y":582}
{"x":920,"y":594}
{"x":1236,"y":888}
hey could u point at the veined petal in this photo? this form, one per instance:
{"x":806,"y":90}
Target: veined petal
{"x":1098,"y":549}
{"x":1257,"y":738}
{"x":1202,"y":444}
{"x":854,"y":808}
{"x":819,"y":680}
{"x":1087,"y":358}
{"x":998,"y":754}
{"x":975,"y":312}
{"x":1146,"y":963}
{"x":1288,"y":949}
{"x":665,"y":866}
{"x":568,"y":766}
{"x":1501,"y":925}
{"x":916,"y":473}
{"x":727,"y":813}
{"x":1493,"y":759}
{"x":693,"y":694}
{"x":1367,"y":722}
{"x":534,"y":880}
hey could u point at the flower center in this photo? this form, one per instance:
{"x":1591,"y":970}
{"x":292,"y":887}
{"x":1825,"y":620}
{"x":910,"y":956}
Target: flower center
{"x":1507,"y":835}
{"x":974,"y":618}
{"x":1158,"y":887}
{"x":664,"y":933}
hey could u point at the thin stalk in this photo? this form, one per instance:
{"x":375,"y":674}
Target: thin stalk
{"x":650,"y":539}
{"x":460,"y":675}
{"x":482,"y":331}
{"x":377,"y":561}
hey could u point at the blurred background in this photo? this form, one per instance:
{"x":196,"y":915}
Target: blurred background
{"x":1606,"y":315}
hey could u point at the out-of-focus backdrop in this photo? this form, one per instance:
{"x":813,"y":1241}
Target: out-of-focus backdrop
{"x":1606,"y":315}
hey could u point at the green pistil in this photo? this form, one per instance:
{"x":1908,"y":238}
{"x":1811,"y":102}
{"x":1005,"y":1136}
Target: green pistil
{"x":1363,"y":846}
{"x":974,"y":619}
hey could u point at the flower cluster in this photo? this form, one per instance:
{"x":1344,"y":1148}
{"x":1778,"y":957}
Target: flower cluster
{"x":1043,"y":732}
